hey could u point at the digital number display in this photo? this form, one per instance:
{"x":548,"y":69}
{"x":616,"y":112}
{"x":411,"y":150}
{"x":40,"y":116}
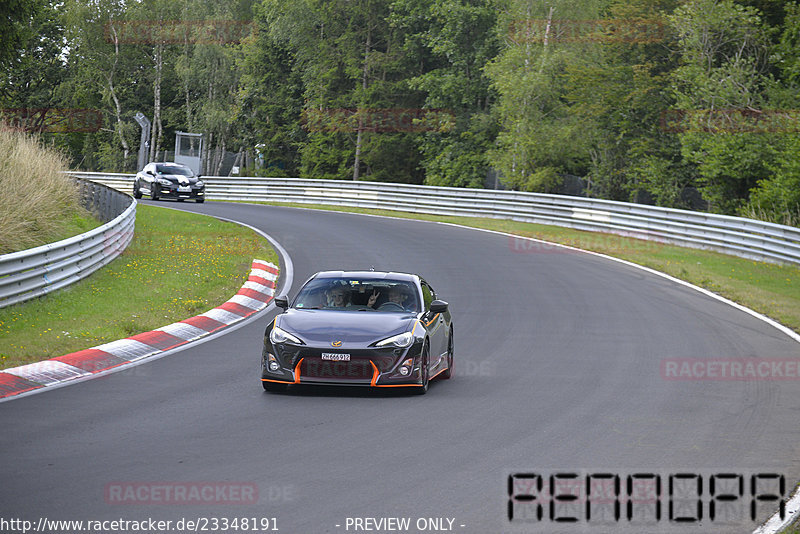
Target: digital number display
{"x":643,"y":497}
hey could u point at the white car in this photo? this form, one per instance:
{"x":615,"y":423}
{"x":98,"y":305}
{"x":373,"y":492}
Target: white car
{"x":169,"y":180}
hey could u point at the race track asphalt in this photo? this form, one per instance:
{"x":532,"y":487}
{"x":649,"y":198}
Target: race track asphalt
{"x":559,"y":368}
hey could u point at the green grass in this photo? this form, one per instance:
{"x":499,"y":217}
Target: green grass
{"x":79,"y":223}
{"x":771,"y":289}
{"x":178,"y":265}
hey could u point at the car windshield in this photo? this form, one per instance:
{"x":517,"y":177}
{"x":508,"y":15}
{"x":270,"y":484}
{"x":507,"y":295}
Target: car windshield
{"x":174,"y":169}
{"x":358,"y":294}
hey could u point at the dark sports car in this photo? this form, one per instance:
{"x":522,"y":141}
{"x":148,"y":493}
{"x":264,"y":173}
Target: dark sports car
{"x":169,"y":180}
{"x":364,"y":328}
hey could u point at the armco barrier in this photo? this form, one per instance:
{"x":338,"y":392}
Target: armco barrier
{"x":747,"y":238}
{"x":37,"y":271}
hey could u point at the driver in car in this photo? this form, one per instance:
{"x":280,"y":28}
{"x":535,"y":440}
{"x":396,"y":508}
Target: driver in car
{"x":396,"y":295}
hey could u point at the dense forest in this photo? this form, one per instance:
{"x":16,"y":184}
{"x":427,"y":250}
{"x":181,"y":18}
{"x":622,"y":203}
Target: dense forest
{"x":676,"y":103}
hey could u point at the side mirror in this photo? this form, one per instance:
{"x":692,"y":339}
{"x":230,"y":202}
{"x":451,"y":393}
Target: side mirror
{"x":151,"y":173}
{"x":438,"y":306}
{"x":282,"y":302}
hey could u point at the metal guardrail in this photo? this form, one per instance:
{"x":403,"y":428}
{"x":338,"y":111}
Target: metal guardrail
{"x":36,"y":271}
{"x":742,"y":237}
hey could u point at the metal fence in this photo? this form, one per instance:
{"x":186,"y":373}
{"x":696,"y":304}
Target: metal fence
{"x":747,"y":238}
{"x":34,"y":272}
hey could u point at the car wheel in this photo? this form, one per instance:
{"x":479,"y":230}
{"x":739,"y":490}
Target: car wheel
{"x":154,"y":191}
{"x":200,"y":200}
{"x":137,"y":193}
{"x":447,"y":374}
{"x":423,"y":389}
{"x":273,"y":387}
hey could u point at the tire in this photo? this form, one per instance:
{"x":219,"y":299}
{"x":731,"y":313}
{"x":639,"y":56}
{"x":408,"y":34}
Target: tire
{"x":273,"y":387}
{"x":137,"y":193}
{"x":154,"y":191}
{"x":423,"y":389}
{"x":449,"y":373}
{"x":200,"y":200}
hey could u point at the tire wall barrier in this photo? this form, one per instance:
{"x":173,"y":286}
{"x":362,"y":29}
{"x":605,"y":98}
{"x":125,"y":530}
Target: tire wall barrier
{"x":747,"y":238}
{"x":37,"y":271}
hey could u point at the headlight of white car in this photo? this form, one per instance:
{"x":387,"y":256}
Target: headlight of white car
{"x":400,"y":340}
{"x":279,"y":335}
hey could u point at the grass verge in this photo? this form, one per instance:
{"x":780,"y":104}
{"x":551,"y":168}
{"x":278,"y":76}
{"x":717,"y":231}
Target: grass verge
{"x":178,"y":265}
{"x":770,"y":289}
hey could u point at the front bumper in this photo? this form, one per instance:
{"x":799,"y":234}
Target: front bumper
{"x":180,"y":192}
{"x":367,"y":367}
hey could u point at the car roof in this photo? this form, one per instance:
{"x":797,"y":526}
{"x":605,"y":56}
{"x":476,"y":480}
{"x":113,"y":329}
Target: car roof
{"x":367,"y":275}
{"x":169,"y":164}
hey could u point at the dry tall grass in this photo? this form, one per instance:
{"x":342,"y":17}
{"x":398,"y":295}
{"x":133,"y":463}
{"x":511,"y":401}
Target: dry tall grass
{"x":36,"y":200}
{"x":786,"y":218}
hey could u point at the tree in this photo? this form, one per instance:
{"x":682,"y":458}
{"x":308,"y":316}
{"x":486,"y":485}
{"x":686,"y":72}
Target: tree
{"x":622,"y":93}
{"x":446,"y":44}
{"x":271,"y":100}
{"x":37,"y":66}
{"x":776,"y":196}
{"x":724,"y":61}
{"x":350,"y":64}
{"x":540,"y":139}
{"x":14,"y":27}
{"x":104,"y":70}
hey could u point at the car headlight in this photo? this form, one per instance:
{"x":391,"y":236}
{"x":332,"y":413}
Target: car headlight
{"x":199,"y":183}
{"x":162,"y":181}
{"x":279,"y":335}
{"x":400,"y":340}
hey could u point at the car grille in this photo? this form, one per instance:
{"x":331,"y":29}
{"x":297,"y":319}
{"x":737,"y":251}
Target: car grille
{"x":352,"y":370}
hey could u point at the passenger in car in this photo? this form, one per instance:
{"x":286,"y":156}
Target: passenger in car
{"x":338,"y":297}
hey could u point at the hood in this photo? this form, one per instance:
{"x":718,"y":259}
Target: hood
{"x":179,"y":178}
{"x":352,"y":328}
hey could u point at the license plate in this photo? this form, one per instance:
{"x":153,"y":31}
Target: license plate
{"x":336,"y":357}
{"x":185,"y":189}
